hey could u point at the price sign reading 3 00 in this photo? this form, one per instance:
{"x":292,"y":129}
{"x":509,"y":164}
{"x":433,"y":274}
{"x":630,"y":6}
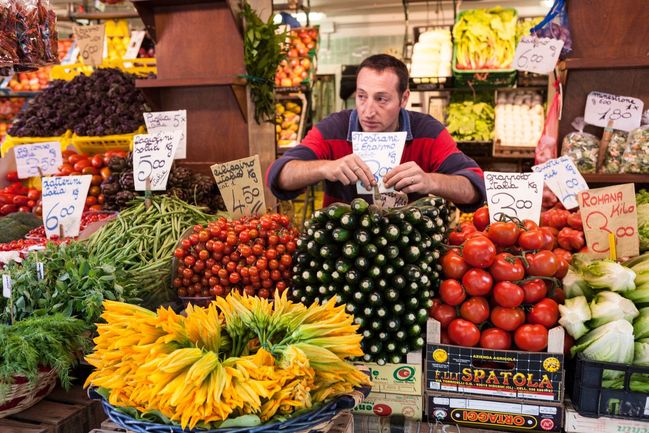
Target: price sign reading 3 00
{"x":63,"y":201}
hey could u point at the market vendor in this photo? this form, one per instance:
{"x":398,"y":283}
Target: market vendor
{"x":431,"y":162}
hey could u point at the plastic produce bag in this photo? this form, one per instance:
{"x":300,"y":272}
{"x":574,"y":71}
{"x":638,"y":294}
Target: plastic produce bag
{"x":582,"y":147}
{"x":615,"y":152}
{"x":8,"y":41}
{"x":546,"y":149}
{"x":636,"y":154}
{"x":49,"y":36}
{"x":555,"y":26}
{"x":28,"y":32}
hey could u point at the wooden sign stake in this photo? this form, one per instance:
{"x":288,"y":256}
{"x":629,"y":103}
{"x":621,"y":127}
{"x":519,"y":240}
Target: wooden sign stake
{"x":147,"y":193}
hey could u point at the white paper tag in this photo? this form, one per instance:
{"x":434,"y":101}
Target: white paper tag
{"x":165,"y":121}
{"x":40,"y":271}
{"x":381,"y":151}
{"x":241,"y":185}
{"x":517,"y":195}
{"x":563,"y":179}
{"x":624,"y":111}
{"x":137,"y":36}
{"x":538,"y":55}
{"x":63,"y":202}
{"x":91,"y":43}
{"x":6,"y":286}
{"x":152,"y":159}
{"x":31,"y":157}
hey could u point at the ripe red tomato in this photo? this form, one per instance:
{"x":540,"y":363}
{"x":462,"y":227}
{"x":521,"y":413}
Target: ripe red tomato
{"x":535,"y":290}
{"x":456,"y":237}
{"x":507,"y":318}
{"x":453,"y":265}
{"x":477,"y":282}
{"x":531,"y":240}
{"x":452,"y":292}
{"x":574,"y":221}
{"x":463,"y":333}
{"x":481,"y":218}
{"x":97,"y":161}
{"x":507,"y":268}
{"x":479,"y":251}
{"x":508,"y":294}
{"x":532,"y":338}
{"x":545,"y":312}
{"x":444,"y":314}
{"x":562,"y":269}
{"x":443,"y":338}
{"x":549,"y":238}
{"x":495,"y":338}
{"x":542,"y":264}
{"x":530,"y":225}
{"x":571,"y":239}
{"x":475,"y":310}
{"x":563,"y":254}
{"x":504,"y":234}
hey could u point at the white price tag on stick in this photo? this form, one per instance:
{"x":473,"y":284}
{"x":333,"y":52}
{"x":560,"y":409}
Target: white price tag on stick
{"x":538,"y":55}
{"x":37,"y":159}
{"x":91,"y":43}
{"x":381,"y":151}
{"x":137,"y":37}
{"x":152,"y":159}
{"x":563,"y":179}
{"x":241,"y":185}
{"x":625,"y":112}
{"x":63,"y":202}
{"x":165,"y":121}
{"x":517,"y":195}
{"x":6,"y":286}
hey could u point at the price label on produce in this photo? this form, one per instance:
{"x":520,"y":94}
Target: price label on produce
{"x":37,"y":159}
{"x":609,"y":212}
{"x":91,"y":43}
{"x":137,"y":37}
{"x":241,"y":186}
{"x":517,"y":195}
{"x":625,"y":112}
{"x":538,"y":55}
{"x":63,"y":201}
{"x":563,"y":179}
{"x":6,"y":286}
{"x":165,"y":121}
{"x":152,"y":158}
{"x":381,"y":151}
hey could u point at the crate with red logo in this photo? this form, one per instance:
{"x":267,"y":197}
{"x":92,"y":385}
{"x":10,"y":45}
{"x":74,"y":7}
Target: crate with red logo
{"x":535,"y":376}
{"x":494,"y":413}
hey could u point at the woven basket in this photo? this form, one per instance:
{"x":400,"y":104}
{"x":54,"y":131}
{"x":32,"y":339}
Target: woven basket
{"x":23,"y":394}
{"x":318,"y":420}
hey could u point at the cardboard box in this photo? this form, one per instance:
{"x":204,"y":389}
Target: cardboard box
{"x":400,"y":424}
{"x":576,"y":423}
{"x":403,"y":379}
{"x":498,"y":373}
{"x":342,"y":423}
{"x":384,"y":405}
{"x":494,"y":413}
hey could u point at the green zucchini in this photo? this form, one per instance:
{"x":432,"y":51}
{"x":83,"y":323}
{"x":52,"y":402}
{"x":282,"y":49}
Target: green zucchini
{"x":362,"y":236}
{"x":348,"y":221}
{"x":342,"y":266}
{"x":350,"y":250}
{"x":366,"y":285}
{"x":370,"y":250}
{"x":341,"y":235}
{"x":362,"y":263}
{"x":380,"y":259}
{"x":391,"y":233}
{"x":337,"y":210}
{"x":359,"y":206}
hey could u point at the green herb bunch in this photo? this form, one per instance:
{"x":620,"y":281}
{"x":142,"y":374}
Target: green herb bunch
{"x":262,"y":48}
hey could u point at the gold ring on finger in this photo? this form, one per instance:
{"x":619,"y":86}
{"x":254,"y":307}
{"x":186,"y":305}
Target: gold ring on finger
{"x":412,"y":181}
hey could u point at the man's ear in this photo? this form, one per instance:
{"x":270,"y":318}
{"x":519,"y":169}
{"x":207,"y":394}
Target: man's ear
{"x":404,"y":98}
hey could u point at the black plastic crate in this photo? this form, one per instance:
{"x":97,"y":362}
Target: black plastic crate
{"x":592,"y":400}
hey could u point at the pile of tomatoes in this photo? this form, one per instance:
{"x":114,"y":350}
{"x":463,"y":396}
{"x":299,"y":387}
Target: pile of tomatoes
{"x":16,"y":197}
{"x":251,"y":255}
{"x":502,"y":281}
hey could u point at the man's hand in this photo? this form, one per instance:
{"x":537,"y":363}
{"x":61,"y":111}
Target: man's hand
{"x":409,"y":178}
{"x":348,"y":170}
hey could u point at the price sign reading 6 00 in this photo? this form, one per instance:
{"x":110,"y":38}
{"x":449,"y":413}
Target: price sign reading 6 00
{"x":63,"y":201}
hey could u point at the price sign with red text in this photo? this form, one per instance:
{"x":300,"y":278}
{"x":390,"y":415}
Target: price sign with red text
{"x":610,"y":211}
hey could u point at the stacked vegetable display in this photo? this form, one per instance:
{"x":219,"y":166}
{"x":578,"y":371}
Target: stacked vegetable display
{"x":642,"y":200}
{"x":383,"y":265}
{"x":470,"y":121}
{"x":251,"y":358}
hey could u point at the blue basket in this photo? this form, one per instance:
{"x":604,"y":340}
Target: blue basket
{"x":317,"y":420}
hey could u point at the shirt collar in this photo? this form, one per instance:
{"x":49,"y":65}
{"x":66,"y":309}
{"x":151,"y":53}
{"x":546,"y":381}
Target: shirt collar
{"x":404,"y":121}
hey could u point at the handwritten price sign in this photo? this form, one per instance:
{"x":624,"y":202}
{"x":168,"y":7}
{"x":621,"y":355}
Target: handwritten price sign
{"x":381,"y":151}
{"x":625,"y":112}
{"x":91,"y":44}
{"x":241,"y":185}
{"x":538,"y":55}
{"x":606,"y":211}
{"x":563,"y":179}
{"x":165,"y":121}
{"x":517,"y":195}
{"x":63,"y":201}
{"x":37,"y":159}
{"x":152,"y":158}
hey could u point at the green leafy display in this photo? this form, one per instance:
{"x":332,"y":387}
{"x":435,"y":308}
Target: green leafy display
{"x":471,"y":121}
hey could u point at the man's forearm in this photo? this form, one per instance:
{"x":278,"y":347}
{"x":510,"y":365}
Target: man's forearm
{"x":457,"y":189}
{"x":298,"y":174}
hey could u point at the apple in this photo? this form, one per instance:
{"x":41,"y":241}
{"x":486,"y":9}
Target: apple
{"x":286,"y":82}
{"x":306,"y":63}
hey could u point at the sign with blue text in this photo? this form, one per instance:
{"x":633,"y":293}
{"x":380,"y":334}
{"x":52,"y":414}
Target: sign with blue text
{"x":381,"y":151}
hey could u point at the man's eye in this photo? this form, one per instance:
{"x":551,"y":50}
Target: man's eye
{"x":362,"y":97}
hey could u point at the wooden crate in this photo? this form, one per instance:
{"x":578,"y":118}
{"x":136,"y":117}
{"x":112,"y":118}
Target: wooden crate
{"x":78,"y":396}
{"x":11,"y":426}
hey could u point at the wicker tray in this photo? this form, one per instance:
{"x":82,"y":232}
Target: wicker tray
{"x":22,"y":393}
{"x":318,"y":420}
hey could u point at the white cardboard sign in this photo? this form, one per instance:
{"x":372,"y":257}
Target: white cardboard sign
{"x":152,"y":159}
{"x":63,"y":201}
{"x":518,"y":195}
{"x":32,"y":157}
{"x":563,"y":179}
{"x":625,"y":112}
{"x":381,"y":151}
{"x":165,"y":121}
{"x":538,"y":55}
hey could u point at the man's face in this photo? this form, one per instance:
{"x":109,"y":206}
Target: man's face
{"x":377,"y":100}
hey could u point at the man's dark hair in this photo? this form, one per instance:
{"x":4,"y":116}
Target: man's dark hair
{"x":381,"y":62}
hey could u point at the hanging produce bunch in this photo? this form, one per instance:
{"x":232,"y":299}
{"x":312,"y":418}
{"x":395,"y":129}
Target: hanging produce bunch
{"x":382,"y":264}
{"x":249,"y":357}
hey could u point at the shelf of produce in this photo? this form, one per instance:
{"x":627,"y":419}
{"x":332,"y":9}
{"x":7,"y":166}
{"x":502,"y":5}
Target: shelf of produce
{"x":302,"y":88}
{"x":189,"y":82}
{"x":615,"y":179}
{"x":617,"y":63}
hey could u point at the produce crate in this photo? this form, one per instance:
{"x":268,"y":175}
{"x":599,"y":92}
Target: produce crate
{"x":384,"y":405}
{"x":53,"y":416}
{"x":592,"y":400}
{"x":142,"y":67}
{"x":11,"y":141}
{"x":422,"y":84}
{"x":481,"y":77}
{"x":504,"y":151}
{"x":301,"y":100}
{"x":476,"y":148}
{"x":530,"y":79}
{"x":93,"y":145}
{"x":576,"y":423}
